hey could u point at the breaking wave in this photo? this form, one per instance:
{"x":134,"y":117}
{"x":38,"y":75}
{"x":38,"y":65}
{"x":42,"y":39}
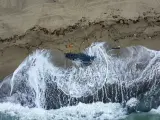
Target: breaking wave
{"x":124,"y":80}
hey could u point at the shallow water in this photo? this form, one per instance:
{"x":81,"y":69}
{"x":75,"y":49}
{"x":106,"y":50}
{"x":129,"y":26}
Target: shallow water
{"x":135,"y":116}
{"x":143,"y":116}
{"x":7,"y":117}
{"x":95,"y":111}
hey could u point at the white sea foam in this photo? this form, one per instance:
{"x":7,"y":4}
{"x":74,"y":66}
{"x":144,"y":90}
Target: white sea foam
{"x":132,"y":102}
{"x":36,"y":71}
{"x":155,"y":111}
{"x":94,"y":111}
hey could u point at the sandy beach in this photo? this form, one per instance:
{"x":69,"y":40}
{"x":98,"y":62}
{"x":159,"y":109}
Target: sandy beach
{"x":27,"y":25}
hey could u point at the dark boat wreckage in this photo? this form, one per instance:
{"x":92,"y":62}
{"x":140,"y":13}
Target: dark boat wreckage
{"x":51,"y":79}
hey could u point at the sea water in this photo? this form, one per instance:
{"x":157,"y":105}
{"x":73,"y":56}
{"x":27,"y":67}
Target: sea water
{"x":33,"y":74}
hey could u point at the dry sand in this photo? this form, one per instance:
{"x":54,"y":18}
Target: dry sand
{"x":26,"y":25}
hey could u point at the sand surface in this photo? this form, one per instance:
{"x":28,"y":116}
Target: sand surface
{"x":26,"y":25}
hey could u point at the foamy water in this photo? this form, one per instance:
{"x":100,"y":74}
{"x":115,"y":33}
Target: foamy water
{"x":95,"y":111}
{"x":121,"y":79}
